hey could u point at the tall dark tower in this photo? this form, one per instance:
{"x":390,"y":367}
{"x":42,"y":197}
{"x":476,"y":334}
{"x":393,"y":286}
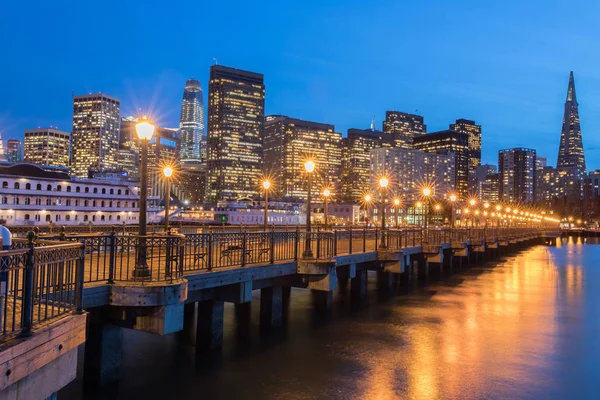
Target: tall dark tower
{"x":570,"y":153}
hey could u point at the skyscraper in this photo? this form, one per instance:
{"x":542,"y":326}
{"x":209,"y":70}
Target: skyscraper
{"x":410,"y":168}
{"x":288,"y":142}
{"x":191,"y":123}
{"x":236,"y":104}
{"x":404,"y":127}
{"x":355,"y":164}
{"x":517,"y":175}
{"x":2,"y":156}
{"x":47,"y":146}
{"x":570,"y":152}
{"x":95,"y":134}
{"x":14,"y":150}
{"x":474,"y":131}
{"x":451,"y":141}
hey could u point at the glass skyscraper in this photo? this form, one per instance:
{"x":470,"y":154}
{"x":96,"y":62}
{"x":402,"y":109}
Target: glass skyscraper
{"x":191,"y":123}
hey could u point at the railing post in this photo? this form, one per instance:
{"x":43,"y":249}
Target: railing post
{"x":365,"y":240}
{"x":350,"y":240}
{"x":79,"y":277}
{"x":168,"y":256}
{"x":296,"y":243}
{"x":209,"y":263}
{"x":27,"y":302}
{"x":112,"y":256}
{"x":272,"y":246}
{"x":244,"y":239}
{"x":335,"y":242}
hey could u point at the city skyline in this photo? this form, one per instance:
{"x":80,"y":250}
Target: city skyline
{"x":313,"y":85}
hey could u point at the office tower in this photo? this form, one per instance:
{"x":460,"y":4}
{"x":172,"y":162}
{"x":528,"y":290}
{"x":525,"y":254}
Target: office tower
{"x":517,"y":175}
{"x":356,"y":161}
{"x":540,"y":162}
{"x":162,"y":152}
{"x":404,"y":127}
{"x":454,"y":142}
{"x":191,"y":122}
{"x":474,"y":131}
{"x":236,"y":103}
{"x":14,"y":150}
{"x":2,"y":155}
{"x":47,"y":146}
{"x":410,"y":169}
{"x":129,"y":148}
{"x":570,"y":152}
{"x":483,"y":171}
{"x":191,"y":183}
{"x":95,"y":134}
{"x":489,"y":189}
{"x":289,"y":142}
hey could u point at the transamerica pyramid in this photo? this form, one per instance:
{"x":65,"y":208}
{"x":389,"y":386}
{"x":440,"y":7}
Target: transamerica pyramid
{"x":570,"y":152}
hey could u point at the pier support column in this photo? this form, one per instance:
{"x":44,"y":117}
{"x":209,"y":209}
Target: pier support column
{"x":384,"y":281}
{"x":209,"y":332}
{"x":359,"y":285}
{"x":103,"y":351}
{"x":323,"y":301}
{"x":271,"y":307}
{"x":422,"y":267}
{"x":188,"y":334}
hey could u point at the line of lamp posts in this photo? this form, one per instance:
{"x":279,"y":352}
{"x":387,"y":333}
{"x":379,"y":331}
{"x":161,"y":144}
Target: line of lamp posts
{"x":145,"y":131}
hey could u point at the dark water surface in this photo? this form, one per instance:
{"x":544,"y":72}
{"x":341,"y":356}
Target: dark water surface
{"x":524,"y":328}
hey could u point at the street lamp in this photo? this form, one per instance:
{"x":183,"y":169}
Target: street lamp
{"x":145,"y":130}
{"x":383,"y":184}
{"x":266,"y":185}
{"x":452,"y":200}
{"x":326,"y":194}
{"x":168,"y":173}
{"x":397,"y":204}
{"x":426,"y":193}
{"x":367,"y":201}
{"x":309,"y":167}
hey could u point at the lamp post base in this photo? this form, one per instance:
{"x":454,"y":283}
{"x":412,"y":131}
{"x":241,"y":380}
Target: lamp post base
{"x":141,"y":272}
{"x":307,"y":253}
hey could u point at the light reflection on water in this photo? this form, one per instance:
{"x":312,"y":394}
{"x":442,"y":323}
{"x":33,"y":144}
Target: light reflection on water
{"x":523,"y":329}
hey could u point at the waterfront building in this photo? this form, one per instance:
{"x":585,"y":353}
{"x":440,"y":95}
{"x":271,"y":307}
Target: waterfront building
{"x":409,"y":170}
{"x":191,"y":122}
{"x":452,"y":142}
{"x":356,"y":161}
{"x":289,"y":142}
{"x":47,"y":146}
{"x":246,"y":212}
{"x":404,"y":127}
{"x":570,"y":152}
{"x":95,"y":134}
{"x":14,"y":150}
{"x":517,"y":175}
{"x":474,"y":131}
{"x":34,"y":196}
{"x":236,"y":103}
{"x":338,"y":214}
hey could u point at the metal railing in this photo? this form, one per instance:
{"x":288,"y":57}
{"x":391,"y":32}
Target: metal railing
{"x":113,"y":257}
{"x":39,"y":284}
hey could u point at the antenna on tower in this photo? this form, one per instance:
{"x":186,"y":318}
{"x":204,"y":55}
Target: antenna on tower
{"x":373,"y":124}
{"x":216,"y":61}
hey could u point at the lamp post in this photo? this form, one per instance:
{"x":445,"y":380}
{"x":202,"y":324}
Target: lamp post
{"x":167,"y":172}
{"x":438,"y":208}
{"x":452,"y":201}
{"x":426,"y":193}
{"x":326,"y":194}
{"x":383,"y":183}
{"x":145,"y":130}
{"x":419,"y":206}
{"x":397,"y":204}
{"x":498,"y":208}
{"x":367,"y":201}
{"x":309,"y":167}
{"x":266,"y":185}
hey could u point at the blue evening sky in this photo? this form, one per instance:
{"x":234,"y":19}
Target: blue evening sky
{"x":504,"y":64}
